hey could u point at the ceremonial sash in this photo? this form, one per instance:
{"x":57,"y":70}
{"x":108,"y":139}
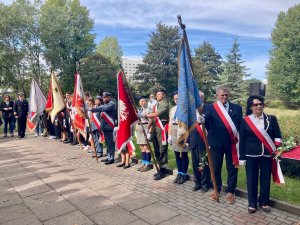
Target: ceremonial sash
{"x":97,"y":124}
{"x":164,"y":129}
{"x":265,"y":138}
{"x":200,"y":131}
{"x":108,"y":119}
{"x":232,"y":131}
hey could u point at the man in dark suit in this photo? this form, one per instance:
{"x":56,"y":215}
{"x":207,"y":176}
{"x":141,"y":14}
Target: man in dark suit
{"x":7,"y":114}
{"x":221,"y":140}
{"x":21,"y":112}
{"x":108,"y":114}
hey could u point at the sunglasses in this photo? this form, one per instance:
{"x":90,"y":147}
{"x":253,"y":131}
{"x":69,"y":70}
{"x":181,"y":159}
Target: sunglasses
{"x":258,"y":104}
{"x":225,"y":95}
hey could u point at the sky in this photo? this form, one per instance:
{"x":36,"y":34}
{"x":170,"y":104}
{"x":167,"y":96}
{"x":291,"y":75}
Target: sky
{"x":216,"y":21}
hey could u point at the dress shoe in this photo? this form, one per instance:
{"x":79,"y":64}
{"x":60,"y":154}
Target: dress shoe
{"x":204,"y":189}
{"x":121,"y":165}
{"x":196,"y":187}
{"x":177,"y":178}
{"x":146,"y":168}
{"x":141,"y":168}
{"x":109,"y":162}
{"x":126,"y":166}
{"x":159,"y":176}
{"x":104,"y":160}
{"x":251,"y":210}
{"x":230,"y":198}
{"x":11,"y":134}
{"x":99,"y":155}
{"x":266,"y":208}
{"x":5,"y":135}
{"x":182,"y":179}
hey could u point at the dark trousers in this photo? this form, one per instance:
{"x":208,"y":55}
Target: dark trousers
{"x":9,"y":122}
{"x":182,"y":162}
{"x":258,"y":167}
{"x":98,"y":146}
{"x":110,"y":144}
{"x":160,"y":150}
{"x":22,"y":126}
{"x":232,"y":172}
{"x":200,"y":178}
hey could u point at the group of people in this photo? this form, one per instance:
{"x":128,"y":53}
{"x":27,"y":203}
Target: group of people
{"x":228,"y":134}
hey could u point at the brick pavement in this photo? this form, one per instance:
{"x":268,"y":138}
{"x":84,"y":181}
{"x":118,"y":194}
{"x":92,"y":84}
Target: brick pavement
{"x":47,"y":182}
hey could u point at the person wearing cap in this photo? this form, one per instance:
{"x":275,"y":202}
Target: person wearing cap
{"x":181,"y":154}
{"x":21,"y":112}
{"x":7,"y":114}
{"x":140,"y":137}
{"x":159,"y":129}
{"x":108,"y":114}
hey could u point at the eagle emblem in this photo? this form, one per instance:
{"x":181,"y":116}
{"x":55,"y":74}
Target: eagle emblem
{"x":123,"y":111}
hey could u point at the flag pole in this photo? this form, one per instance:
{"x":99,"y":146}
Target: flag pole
{"x":135,"y":109}
{"x":89,"y":122}
{"x":182,"y":26}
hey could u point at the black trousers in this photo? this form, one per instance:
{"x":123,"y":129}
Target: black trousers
{"x":8,"y":121}
{"x":110,"y":144}
{"x":160,"y":150}
{"x":258,"y":167}
{"x":232,"y":172}
{"x":21,"y":126}
{"x":200,"y":178}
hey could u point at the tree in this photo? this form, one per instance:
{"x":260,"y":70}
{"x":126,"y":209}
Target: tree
{"x":160,"y":63}
{"x":284,"y":65}
{"x":234,"y":74}
{"x":207,"y":65}
{"x":99,"y":74}
{"x":65,"y":33}
{"x":110,"y":49}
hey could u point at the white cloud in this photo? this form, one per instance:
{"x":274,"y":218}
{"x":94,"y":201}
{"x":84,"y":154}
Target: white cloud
{"x":241,"y":17}
{"x":257,"y":67}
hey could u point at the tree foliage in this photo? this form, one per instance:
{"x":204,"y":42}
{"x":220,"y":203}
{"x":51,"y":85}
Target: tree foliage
{"x":160,"y":63}
{"x":234,"y":74}
{"x":207,"y":68}
{"x":284,"y":64}
{"x":109,"y":47}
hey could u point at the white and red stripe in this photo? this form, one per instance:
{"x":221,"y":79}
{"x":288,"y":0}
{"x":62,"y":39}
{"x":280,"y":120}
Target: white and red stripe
{"x":98,"y":125}
{"x":200,"y":131}
{"x":108,"y":119}
{"x":265,"y":138}
{"x":233,"y":133}
{"x":164,"y":129}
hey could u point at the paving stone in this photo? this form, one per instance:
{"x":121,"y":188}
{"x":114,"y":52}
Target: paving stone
{"x":139,"y":222}
{"x":134,"y":201}
{"x":9,"y":199}
{"x":114,"y":216}
{"x":28,"y":220}
{"x":96,"y":185}
{"x":179,"y":220}
{"x":48,"y":205}
{"x":72,"y":218}
{"x":155,"y":213}
{"x":76,"y":195}
{"x":32,"y":188}
{"x":14,"y":212}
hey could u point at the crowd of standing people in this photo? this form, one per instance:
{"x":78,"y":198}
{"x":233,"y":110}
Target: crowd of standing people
{"x":229,"y":135}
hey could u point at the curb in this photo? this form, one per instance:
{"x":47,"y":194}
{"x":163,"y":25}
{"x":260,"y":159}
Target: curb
{"x":242,"y":193}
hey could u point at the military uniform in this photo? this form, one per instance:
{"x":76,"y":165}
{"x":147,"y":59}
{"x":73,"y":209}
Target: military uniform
{"x":21,"y":111}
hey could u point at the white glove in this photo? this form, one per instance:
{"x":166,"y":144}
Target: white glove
{"x":149,"y":136}
{"x":200,"y":119}
{"x":170,"y":140}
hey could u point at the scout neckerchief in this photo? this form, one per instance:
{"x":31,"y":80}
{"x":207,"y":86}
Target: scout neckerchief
{"x":265,"y":138}
{"x":232,"y":131}
{"x":164,"y":129}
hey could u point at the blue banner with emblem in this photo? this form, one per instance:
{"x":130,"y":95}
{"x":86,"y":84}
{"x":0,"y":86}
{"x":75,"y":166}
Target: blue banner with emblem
{"x":188,"y":95}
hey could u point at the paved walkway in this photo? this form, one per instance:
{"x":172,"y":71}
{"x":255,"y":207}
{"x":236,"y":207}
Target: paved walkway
{"x":47,"y":182}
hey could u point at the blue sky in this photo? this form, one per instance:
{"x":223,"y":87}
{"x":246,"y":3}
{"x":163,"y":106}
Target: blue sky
{"x":215,"y":21}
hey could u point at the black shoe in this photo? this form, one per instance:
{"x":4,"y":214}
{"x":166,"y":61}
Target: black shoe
{"x":177,"y":178}
{"x":5,"y":135}
{"x":196,"y":187}
{"x":159,"y":176}
{"x":109,"y":162}
{"x":99,"y":155}
{"x":73,"y":143}
{"x":251,"y":210}
{"x":19,"y":137}
{"x":68,"y":141}
{"x":121,"y":165}
{"x":266,"y":208}
{"x":104,"y":160}
{"x":182,"y":179}
{"x":204,"y":189}
{"x":126,"y":166}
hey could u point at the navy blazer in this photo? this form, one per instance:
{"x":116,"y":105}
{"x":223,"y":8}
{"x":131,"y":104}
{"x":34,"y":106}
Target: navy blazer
{"x":21,"y":108}
{"x":218,"y":135}
{"x":110,"y":109}
{"x":250,"y":145}
{"x":7,"y":114}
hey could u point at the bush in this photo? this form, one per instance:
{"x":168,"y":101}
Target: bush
{"x":275,"y":103}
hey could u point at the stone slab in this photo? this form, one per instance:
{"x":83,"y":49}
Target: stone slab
{"x":9,"y":199}
{"x":72,"y":218}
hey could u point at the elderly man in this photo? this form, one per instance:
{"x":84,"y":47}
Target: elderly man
{"x":222,"y":120}
{"x":108,"y":113}
{"x":160,"y":119}
{"x":21,"y":112}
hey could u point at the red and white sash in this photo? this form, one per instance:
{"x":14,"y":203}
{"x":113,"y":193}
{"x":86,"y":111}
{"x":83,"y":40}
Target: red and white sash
{"x":164,"y":129}
{"x":108,"y":119}
{"x":232,"y":131}
{"x":265,"y":138}
{"x":98,"y":125}
{"x":200,"y":131}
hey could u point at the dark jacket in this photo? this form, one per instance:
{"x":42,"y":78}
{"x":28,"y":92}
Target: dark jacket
{"x":250,"y":144}
{"x":7,"y":114}
{"x":21,"y":108}
{"x":110,"y":109}
{"x":217,"y":132}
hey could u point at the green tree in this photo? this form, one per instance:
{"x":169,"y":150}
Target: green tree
{"x":110,"y":49}
{"x":65,"y":33}
{"x":207,"y":65}
{"x":284,"y":64}
{"x":234,"y":74}
{"x":98,"y":74}
{"x":159,"y":68}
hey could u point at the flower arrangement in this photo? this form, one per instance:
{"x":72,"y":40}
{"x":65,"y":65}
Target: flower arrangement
{"x":286,"y":146}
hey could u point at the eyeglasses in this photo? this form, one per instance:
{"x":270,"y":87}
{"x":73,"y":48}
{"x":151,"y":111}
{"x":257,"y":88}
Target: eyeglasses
{"x":225,"y":95}
{"x":258,"y":104}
